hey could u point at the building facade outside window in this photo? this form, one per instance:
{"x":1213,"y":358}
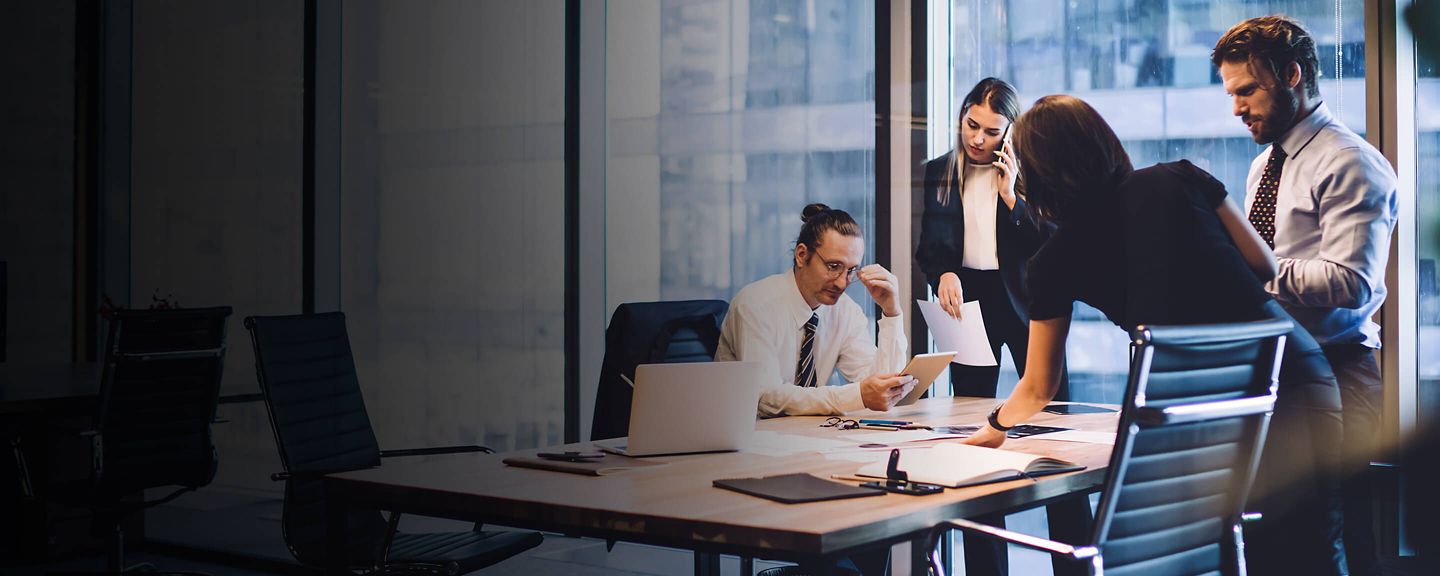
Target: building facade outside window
{"x":1145,"y":66}
{"x":724,"y":120}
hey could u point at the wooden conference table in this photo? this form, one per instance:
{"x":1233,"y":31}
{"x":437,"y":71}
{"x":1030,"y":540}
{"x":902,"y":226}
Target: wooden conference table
{"x":676,"y":505}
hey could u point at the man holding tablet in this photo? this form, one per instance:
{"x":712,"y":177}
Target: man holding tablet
{"x":802,"y":327}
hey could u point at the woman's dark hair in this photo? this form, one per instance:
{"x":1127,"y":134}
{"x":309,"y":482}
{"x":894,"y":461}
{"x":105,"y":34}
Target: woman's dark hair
{"x":997,"y":95}
{"x":1273,"y":42}
{"x":819,"y":218}
{"x":1067,"y":153}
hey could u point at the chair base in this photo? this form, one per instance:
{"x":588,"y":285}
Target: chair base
{"x":455,"y":552}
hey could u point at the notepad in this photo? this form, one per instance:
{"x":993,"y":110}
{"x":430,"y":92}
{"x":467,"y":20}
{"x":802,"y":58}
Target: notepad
{"x":795,"y":488}
{"x":610,"y":464}
{"x":959,"y":465}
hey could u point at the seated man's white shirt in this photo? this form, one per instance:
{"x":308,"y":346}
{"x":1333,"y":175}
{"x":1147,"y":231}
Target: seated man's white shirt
{"x":766,"y":323}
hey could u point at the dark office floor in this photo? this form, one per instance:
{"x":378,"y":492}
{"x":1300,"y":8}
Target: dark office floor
{"x":557,"y":555}
{"x":236,"y":524}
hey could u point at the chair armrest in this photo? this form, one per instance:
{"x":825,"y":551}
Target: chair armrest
{"x":1206,"y":411}
{"x":1026,"y":540}
{"x":281,"y":476}
{"x":307,"y":475}
{"x":436,"y":450}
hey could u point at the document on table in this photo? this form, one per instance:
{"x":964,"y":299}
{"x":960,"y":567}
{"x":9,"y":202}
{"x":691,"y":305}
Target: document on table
{"x":965,"y":336}
{"x":890,"y":439}
{"x":1089,"y":437}
{"x":871,"y":455}
{"x":770,"y":443}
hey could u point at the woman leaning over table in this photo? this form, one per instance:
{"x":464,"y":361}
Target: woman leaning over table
{"x":1164,"y":245}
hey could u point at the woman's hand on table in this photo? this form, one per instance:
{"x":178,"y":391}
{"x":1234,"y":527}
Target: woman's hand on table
{"x":987,"y":437}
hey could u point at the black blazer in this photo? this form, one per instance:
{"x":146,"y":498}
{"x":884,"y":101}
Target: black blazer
{"x":942,"y":237}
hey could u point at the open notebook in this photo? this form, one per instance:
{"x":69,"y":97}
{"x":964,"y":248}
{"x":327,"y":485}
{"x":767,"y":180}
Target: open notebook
{"x":957,"y":465}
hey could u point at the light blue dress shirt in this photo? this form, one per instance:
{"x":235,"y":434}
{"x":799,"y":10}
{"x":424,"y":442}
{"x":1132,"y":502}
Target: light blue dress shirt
{"x":1334,"y":213}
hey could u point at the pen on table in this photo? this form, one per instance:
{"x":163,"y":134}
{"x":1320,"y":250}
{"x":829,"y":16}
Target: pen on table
{"x":851,"y":478}
{"x":881,"y":427}
{"x":896,"y":423}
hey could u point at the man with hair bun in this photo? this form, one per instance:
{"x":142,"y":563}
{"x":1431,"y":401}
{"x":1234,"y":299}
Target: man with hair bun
{"x":1324,"y":200}
{"x":801,"y":327}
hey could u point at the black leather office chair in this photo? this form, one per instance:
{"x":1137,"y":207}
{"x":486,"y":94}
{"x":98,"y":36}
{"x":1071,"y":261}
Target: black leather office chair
{"x":307,"y":374}
{"x":1197,"y":406}
{"x":4,"y":308}
{"x":650,"y":333}
{"x":158,"y":393}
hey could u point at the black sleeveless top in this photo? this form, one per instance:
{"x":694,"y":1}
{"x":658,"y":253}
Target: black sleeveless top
{"x":1150,"y":251}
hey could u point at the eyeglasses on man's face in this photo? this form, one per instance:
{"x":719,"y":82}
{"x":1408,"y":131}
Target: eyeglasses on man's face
{"x":841,"y":423}
{"x":834,"y":269}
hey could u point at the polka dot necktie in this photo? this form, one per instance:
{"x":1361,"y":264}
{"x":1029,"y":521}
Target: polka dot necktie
{"x":805,"y":369}
{"x":1262,"y":211}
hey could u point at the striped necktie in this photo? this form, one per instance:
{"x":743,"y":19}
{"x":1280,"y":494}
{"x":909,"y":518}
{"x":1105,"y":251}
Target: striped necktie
{"x":1262,"y":211}
{"x":805,"y":369}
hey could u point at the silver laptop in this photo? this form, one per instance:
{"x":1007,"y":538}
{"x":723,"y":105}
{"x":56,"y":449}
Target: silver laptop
{"x":690,"y":408}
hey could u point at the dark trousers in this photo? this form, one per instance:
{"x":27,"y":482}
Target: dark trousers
{"x":1362,"y":396}
{"x":987,"y":556}
{"x":1295,"y":488}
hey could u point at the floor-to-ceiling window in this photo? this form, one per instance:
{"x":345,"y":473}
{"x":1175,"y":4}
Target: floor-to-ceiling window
{"x":724,"y":119}
{"x":1427,"y":241}
{"x":451,"y":218}
{"x":1145,"y":66}
{"x":214,"y":214}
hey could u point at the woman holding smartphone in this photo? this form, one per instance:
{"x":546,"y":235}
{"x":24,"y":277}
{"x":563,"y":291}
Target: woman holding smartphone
{"x":976,"y":234}
{"x":1165,"y":245}
{"x":975,"y":237}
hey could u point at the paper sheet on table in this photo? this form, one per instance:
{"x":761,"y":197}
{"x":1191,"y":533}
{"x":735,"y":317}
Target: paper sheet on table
{"x":861,"y":456}
{"x":768,"y":443}
{"x":873,"y":456}
{"x":965,"y":336}
{"x":1081,"y":436}
{"x":900,"y":437}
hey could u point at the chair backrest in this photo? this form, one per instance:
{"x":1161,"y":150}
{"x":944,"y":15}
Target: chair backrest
{"x":650,"y":333}
{"x":4,"y":308}
{"x":158,"y":392}
{"x":1197,"y":406}
{"x":307,"y":375}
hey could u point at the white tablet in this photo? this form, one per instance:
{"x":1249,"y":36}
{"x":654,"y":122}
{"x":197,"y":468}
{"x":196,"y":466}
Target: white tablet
{"x":925,"y":368}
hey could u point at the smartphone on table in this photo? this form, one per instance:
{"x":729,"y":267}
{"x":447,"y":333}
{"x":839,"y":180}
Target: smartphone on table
{"x":904,"y":487}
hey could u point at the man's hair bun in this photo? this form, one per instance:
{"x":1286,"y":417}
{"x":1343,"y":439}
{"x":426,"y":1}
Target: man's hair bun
{"x":812,"y":210}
